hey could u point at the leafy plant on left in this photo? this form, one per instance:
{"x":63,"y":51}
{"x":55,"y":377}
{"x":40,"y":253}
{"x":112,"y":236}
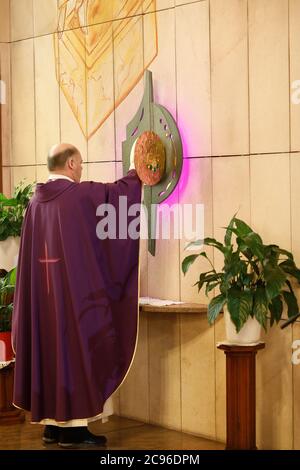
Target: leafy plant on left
{"x":12,"y":211}
{"x":7,"y":287}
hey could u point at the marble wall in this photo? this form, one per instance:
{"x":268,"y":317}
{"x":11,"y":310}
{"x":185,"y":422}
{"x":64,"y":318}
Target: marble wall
{"x":225,"y":70}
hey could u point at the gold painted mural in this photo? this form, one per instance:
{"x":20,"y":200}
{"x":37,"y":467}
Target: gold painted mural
{"x":97,"y":64}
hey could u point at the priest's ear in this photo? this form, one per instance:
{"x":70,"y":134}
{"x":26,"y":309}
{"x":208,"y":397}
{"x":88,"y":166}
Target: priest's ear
{"x":71,"y":163}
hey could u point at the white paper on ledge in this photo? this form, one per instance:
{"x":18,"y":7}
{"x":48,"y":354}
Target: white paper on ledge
{"x":157,"y":302}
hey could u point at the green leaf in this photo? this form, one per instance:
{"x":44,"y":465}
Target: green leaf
{"x":275,"y":279}
{"x":9,"y":203}
{"x":215,"y":306}
{"x":285,"y":252}
{"x":213,"y":242}
{"x":254,"y":243}
{"x":291,"y":302}
{"x":210,"y":286}
{"x":228,"y":234}
{"x":260,"y":306}
{"x":12,"y":211}
{"x":276,"y":307}
{"x":207,"y":277}
{"x":243,"y":230}
{"x":239,"y":305}
{"x":289,"y":267}
{"x":12,"y":276}
{"x":187,"y":262}
{"x":194,"y":243}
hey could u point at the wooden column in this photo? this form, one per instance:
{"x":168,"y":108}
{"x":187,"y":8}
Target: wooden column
{"x":8,"y":413}
{"x":240,"y":395}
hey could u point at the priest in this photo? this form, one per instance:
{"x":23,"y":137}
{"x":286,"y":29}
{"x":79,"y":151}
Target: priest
{"x":75,"y":313}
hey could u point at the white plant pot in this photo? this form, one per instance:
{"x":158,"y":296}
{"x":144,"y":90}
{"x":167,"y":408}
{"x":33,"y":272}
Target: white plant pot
{"x":249,"y":334}
{"x":9,"y":250}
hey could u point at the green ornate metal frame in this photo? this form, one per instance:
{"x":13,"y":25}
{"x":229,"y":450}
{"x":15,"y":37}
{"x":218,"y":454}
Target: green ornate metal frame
{"x":154,"y":117}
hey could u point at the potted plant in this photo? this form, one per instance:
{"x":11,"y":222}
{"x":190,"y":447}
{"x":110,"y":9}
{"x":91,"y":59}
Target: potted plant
{"x":254,"y":283}
{"x":7,"y":287}
{"x":11,"y":217}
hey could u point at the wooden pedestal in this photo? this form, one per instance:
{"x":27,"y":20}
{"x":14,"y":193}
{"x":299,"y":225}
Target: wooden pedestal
{"x":240,"y":395}
{"x":8,"y":413}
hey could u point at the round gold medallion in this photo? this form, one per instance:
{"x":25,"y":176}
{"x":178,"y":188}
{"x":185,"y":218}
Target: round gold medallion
{"x":149,"y":158}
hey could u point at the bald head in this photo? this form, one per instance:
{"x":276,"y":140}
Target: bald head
{"x":65,"y":159}
{"x":59,"y":154}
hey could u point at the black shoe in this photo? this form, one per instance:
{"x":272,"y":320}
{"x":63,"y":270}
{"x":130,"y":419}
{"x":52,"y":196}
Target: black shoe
{"x":51,"y":434}
{"x":74,"y":437}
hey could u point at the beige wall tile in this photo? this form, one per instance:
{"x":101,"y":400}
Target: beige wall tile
{"x":296,"y":385}
{"x":4,"y":21}
{"x":124,"y":113}
{"x":23,"y":173}
{"x":163,"y":67}
{"x":100,"y":95}
{"x":102,"y":172}
{"x":184,"y":2}
{"x":295,"y":207}
{"x":198,"y":376}
{"x":84,"y":175}
{"x":164,"y":370}
{"x":98,"y":11}
{"x":229,"y":77}
{"x":46,"y":98}
{"x":268,"y":76}
{"x":270,"y":198}
{"x":128,"y":71}
{"x":152,"y":5}
{"x":294,"y":17}
{"x":42,"y":173}
{"x":119,"y":170}
{"x":274,"y":393}
{"x":21,"y":17}
{"x":44,"y":16}
{"x":295,"y":211}
{"x":193,"y":89}
{"x":231,"y":194}
{"x":125,"y":9}
{"x":220,"y":371}
{"x":70,"y":129}
{"x":5,"y":59}
{"x":101,"y":146}
{"x":195,"y":187}
{"x":165,"y":284}
{"x":23,"y":118}
{"x":134,"y":393}
{"x":6,"y":180}
{"x":73,"y":93}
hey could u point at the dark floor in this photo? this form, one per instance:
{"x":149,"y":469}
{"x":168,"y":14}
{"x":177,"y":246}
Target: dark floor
{"x":121,"y":433}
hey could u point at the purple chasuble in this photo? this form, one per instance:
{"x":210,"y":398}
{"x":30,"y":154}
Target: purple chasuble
{"x":76,"y":300}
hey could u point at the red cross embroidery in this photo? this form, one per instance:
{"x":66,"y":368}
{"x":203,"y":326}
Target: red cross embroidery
{"x":47,"y":260}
